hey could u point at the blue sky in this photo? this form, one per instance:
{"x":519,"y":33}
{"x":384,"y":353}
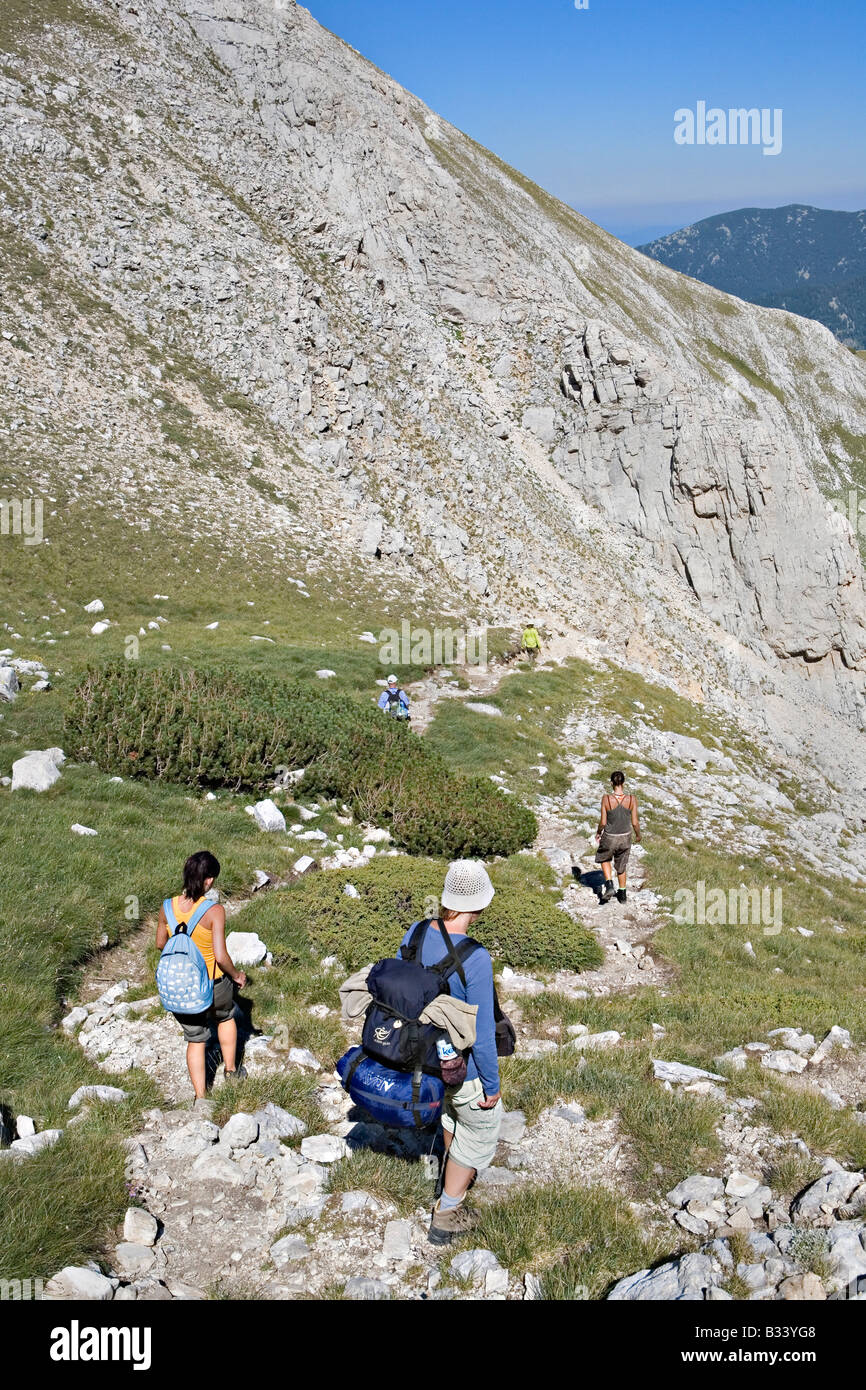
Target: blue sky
{"x":583,"y":101}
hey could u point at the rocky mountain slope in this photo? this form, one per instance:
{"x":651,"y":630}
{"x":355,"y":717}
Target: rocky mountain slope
{"x":257,"y":293}
{"x":809,"y":260}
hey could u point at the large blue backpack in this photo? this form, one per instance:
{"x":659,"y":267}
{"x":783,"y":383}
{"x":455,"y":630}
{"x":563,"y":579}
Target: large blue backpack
{"x":181,"y":975}
{"x":400,"y":989}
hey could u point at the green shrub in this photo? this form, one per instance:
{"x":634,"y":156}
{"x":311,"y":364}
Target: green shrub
{"x":215,"y":728}
{"x":523,"y":926}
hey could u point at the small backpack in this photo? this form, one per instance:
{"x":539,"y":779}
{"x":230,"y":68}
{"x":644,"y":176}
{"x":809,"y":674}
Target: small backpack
{"x":181,"y":975}
{"x":396,"y":708}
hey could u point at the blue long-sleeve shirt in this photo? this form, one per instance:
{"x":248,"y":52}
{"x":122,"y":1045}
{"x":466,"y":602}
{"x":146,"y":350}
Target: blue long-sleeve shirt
{"x":482,"y":1062}
{"x":382,"y":701}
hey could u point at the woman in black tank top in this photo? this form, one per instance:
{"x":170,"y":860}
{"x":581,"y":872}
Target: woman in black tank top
{"x":617,"y":824}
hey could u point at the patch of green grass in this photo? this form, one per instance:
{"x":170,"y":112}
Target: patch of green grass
{"x":810,"y":1117}
{"x":737,"y":1287}
{"x":792,"y":1172}
{"x":399,"y":1181}
{"x":745,"y":370}
{"x":671,"y":1135}
{"x":485,"y":744}
{"x":579,"y":1240}
{"x":334,"y":1291}
{"x":292,"y":1091}
{"x":535,"y":706}
{"x":21,"y":20}
{"x":58,"y":1207}
{"x":837,"y":439}
{"x":742,"y":1253}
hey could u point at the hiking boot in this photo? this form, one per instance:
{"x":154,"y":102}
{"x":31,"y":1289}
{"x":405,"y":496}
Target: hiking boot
{"x":621,"y":895}
{"x":239,"y":1074}
{"x":445,"y":1225}
{"x":606,"y":892}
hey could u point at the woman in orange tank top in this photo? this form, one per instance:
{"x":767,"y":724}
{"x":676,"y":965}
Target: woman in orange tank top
{"x":199,"y":873}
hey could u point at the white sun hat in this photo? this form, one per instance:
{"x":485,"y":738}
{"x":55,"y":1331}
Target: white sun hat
{"x":392,"y":680}
{"x":467,"y":886}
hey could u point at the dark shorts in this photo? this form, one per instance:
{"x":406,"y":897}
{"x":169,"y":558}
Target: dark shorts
{"x":197,"y":1027}
{"x":615,"y":847}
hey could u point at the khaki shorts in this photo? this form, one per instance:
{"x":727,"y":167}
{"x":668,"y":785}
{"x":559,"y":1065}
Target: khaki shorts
{"x":615,"y":847}
{"x":476,"y":1132}
{"x":197,"y":1027}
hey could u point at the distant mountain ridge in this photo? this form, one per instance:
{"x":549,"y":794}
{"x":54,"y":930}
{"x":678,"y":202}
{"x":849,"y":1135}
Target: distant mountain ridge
{"x":811,"y":261}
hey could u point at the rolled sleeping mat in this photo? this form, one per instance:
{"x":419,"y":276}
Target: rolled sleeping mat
{"x":399,"y":1098}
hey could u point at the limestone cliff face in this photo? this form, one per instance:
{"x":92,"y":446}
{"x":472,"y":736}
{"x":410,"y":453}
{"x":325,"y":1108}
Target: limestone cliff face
{"x":715,"y":475}
{"x":729,"y":502}
{"x":449,"y":373}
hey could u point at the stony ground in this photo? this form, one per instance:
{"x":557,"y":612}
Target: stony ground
{"x":248,"y":1209}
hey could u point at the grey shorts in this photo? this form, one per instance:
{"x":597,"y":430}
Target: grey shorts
{"x":615,"y":847}
{"x":476,"y":1131}
{"x":197,"y":1027}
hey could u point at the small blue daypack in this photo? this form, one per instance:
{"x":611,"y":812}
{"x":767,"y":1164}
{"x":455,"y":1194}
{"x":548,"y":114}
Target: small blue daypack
{"x":181,"y":975}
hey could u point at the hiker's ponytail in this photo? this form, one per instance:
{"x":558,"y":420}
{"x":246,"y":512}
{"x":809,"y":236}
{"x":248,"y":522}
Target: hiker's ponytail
{"x":197,"y":868}
{"x":617,"y":778}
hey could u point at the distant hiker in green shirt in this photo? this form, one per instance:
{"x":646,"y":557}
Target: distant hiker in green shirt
{"x":531,"y":642}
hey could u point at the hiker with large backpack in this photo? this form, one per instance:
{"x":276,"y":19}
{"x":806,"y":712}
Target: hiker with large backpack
{"x":618,"y":824}
{"x":472,"y":1113}
{"x":432,"y":1035}
{"x":196,"y":975}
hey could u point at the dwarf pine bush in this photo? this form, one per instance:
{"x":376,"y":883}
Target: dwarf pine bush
{"x":521,"y":927}
{"x":211,"y":728}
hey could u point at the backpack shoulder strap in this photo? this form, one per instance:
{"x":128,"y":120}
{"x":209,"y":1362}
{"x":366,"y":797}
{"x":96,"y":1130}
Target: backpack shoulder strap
{"x":456,"y":957}
{"x":168,"y":909}
{"x":467,"y":947}
{"x":196,"y":917}
{"x":412,"y":949}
